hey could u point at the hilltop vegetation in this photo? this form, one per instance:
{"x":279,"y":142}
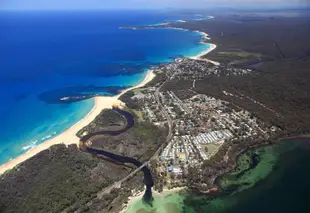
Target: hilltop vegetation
{"x":139,"y":142}
{"x":108,"y":120}
{"x":65,"y":179}
{"x":277,"y":48}
{"x":55,"y":180}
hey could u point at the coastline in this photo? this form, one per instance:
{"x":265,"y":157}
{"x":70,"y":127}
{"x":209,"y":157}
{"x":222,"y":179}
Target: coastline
{"x":203,"y":53}
{"x":139,"y":195}
{"x":206,"y":37}
{"x":101,"y":102}
{"x":212,"y":47}
{"x":200,"y":55}
{"x":69,"y":136}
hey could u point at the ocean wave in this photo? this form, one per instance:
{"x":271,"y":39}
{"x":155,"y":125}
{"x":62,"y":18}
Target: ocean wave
{"x":46,"y":137}
{"x":33,"y":144}
{"x":30,"y":145}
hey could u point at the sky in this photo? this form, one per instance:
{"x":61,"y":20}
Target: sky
{"x":140,"y":4}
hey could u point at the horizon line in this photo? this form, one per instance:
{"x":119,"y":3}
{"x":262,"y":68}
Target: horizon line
{"x":218,"y":7}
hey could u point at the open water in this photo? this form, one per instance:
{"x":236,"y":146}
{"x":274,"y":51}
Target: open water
{"x":278,"y":182}
{"x":45,"y":56}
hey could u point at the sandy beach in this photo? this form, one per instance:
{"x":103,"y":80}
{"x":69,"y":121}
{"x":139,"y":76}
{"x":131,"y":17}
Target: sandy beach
{"x":139,"y":195}
{"x":69,"y":136}
{"x":205,"y":35}
{"x":101,"y":102}
{"x":199,"y":56}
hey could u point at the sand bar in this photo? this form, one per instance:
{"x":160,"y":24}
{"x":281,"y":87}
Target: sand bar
{"x":69,"y":136}
{"x":139,"y":196}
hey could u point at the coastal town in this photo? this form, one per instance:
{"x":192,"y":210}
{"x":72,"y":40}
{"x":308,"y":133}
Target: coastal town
{"x":174,"y":109}
{"x":198,"y":125}
{"x":201,"y":124}
{"x":196,"y":131}
{"x":197,"y":68}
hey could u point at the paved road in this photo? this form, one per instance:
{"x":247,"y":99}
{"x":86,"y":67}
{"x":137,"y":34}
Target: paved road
{"x":159,"y":150}
{"x":169,"y":120}
{"x":118,"y":184}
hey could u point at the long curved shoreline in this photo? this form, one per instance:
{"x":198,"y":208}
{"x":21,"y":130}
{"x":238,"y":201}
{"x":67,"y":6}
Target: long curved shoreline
{"x":69,"y":136}
{"x":101,"y":102}
{"x":135,"y":197}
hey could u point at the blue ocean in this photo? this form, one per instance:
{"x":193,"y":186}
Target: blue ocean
{"x":45,"y":56}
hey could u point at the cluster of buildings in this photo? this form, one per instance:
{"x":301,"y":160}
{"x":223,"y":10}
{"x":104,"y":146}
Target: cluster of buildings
{"x":148,"y":104}
{"x":187,"y":68}
{"x":201,"y":124}
{"x":237,"y":71}
{"x":180,"y":150}
{"x":191,"y":150}
{"x":213,"y":137}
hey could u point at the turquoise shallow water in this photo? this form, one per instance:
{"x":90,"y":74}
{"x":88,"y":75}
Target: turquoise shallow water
{"x":169,"y":202}
{"x":46,"y":56}
{"x":278,"y":182}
